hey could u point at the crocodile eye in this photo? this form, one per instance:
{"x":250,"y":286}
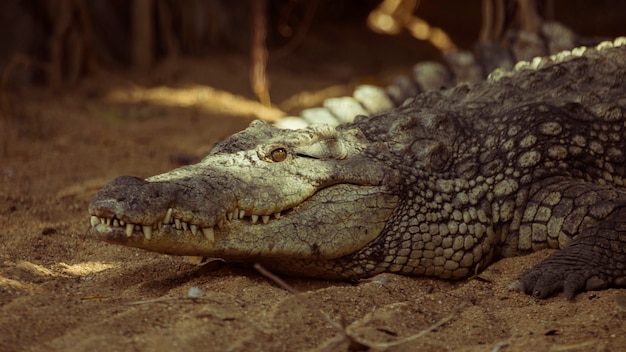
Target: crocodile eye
{"x":278,"y":155}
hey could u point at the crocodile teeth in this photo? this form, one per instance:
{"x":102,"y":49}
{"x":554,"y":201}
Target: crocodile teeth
{"x":107,"y":221}
{"x":147,"y":231}
{"x":94,"y":221}
{"x":242,"y":213}
{"x":255,"y":218}
{"x":236,"y":214}
{"x":277,"y":215}
{"x":230,"y":216}
{"x":193,"y":228}
{"x":122,"y":223}
{"x":185,"y":226}
{"x":168,"y":216}
{"x":209,"y":233}
{"x":177,"y":224}
{"x":116,"y":223}
{"x":265,"y":218}
{"x":129,"y":229}
{"x":220,"y":223}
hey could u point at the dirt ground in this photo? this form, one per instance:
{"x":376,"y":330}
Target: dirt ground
{"x":62,"y":291}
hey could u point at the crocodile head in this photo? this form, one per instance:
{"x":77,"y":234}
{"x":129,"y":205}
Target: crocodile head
{"x":263,"y":194}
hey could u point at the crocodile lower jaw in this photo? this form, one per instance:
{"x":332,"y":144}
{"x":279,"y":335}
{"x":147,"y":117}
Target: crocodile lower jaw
{"x":176,"y":224}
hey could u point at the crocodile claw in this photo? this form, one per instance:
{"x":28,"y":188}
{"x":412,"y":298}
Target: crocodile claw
{"x":593,"y":261}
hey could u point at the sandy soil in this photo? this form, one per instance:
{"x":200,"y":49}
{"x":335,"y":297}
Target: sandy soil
{"x":62,"y":291}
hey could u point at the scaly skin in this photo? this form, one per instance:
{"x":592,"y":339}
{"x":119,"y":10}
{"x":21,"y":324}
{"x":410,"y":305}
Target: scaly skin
{"x":452,"y":180}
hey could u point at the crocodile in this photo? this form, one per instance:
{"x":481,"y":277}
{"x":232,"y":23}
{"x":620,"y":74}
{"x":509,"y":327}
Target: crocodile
{"x":442,"y":186}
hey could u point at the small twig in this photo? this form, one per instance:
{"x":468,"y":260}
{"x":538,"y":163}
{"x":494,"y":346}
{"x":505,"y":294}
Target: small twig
{"x":477,"y":274}
{"x":298,"y":295}
{"x":337,"y":340}
{"x":154,"y":300}
{"x":579,"y":346}
{"x":346,"y":333}
{"x":499,"y":346}
{"x":168,"y":299}
{"x":384,"y":345}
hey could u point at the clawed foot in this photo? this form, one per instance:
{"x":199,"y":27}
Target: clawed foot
{"x":552,"y":276}
{"x":595,"y":260}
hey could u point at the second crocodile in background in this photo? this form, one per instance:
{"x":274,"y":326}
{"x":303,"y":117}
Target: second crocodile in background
{"x":530,"y":159}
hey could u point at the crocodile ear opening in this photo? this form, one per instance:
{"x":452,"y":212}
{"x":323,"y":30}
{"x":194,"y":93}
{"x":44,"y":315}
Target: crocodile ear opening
{"x":438,"y":156}
{"x":434,"y":155}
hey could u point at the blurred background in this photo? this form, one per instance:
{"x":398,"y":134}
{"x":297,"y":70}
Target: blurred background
{"x":256,"y":58}
{"x":59,"y":42}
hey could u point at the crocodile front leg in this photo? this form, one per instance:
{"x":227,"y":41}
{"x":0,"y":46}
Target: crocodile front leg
{"x":595,"y":260}
{"x":593,"y":216}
